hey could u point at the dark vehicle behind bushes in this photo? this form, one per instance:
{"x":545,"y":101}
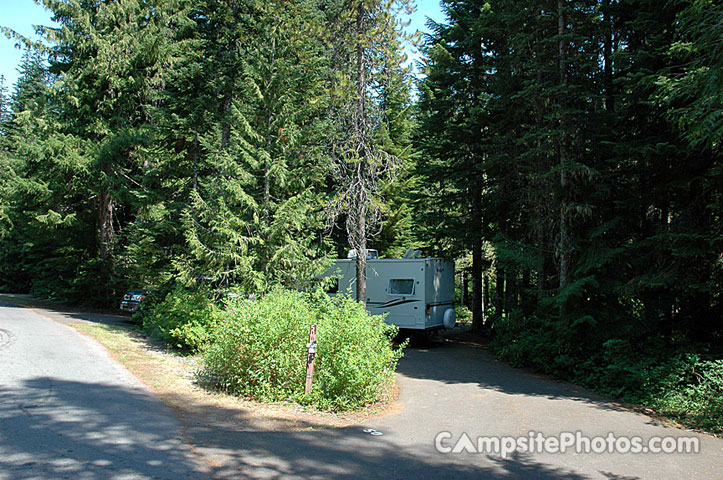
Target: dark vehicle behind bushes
{"x":132,"y":300}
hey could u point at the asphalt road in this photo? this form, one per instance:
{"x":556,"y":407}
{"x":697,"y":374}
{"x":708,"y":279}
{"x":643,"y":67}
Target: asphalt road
{"x":67,"y":410}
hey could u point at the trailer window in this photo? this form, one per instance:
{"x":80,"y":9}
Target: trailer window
{"x":401,"y":286}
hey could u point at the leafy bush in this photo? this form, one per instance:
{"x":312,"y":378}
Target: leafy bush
{"x":690,"y":389}
{"x":464,"y":314}
{"x":183,"y":318}
{"x":259,"y":350}
{"x":549,"y":346}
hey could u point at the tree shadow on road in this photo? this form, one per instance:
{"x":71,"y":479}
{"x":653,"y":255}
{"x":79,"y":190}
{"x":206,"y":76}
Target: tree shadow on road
{"x":237,"y":451}
{"x":53,"y":428}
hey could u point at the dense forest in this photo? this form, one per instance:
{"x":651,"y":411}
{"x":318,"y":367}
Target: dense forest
{"x":566,"y":153}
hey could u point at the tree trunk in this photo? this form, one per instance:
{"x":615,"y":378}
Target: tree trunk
{"x":540,"y":280}
{"x":564,"y":243}
{"x":510,"y":287}
{"x":500,"y":291}
{"x":477,"y":265}
{"x":543,"y":184}
{"x":486,"y":293}
{"x":106,"y":224}
{"x":269,"y":140}
{"x":608,"y":58}
{"x":195,"y":161}
{"x":361,"y":262}
{"x":477,"y":316}
{"x":105,"y":217}
{"x":361,"y":73}
{"x":360,"y":234}
{"x":465,"y":288}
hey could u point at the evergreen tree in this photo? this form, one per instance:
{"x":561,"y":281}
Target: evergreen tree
{"x":564,"y":115}
{"x":254,"y":211}
{"x":40,"y":252}
{"x":5,"y":167}
{"x":31,"y":90}
{"x":81,"y":155}
{"x":4,"y":108}
{"x":691,"y":87}
{"x":469,"y":130}
{"x":364,"y":71}
{"x":396,"y":128}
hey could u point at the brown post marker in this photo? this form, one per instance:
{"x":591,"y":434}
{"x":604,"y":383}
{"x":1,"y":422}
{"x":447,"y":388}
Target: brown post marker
{"x":311,"y":346}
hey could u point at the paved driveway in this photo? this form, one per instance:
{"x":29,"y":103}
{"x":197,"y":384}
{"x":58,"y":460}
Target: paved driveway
{"x":460,"y":389}
{"x":67,"y":410}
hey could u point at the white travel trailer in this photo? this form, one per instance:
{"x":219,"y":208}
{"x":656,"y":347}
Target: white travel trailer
{"x":415,"y":293}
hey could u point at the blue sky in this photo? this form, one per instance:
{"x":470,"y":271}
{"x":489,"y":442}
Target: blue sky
{"x":425,"y":9}
{"x":21,"y":15}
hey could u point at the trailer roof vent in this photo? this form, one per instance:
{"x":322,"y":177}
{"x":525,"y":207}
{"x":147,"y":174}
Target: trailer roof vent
{"x":412,"y":253}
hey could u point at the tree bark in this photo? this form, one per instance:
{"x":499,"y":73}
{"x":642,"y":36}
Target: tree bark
{"x":361,"y":261}
{"x":607,"y":58}
{"x":564,"y":243}
{"x":361,"y":74}
{"x":269,"y":140}
{"x":500,"y":291}
{"x":540,"y":280}
{"x":477,"y":316}
{"x":486,"y":286}
{"x":106,"y":206}
{"x":484,"y":295}
{"x":195,"y":161}
{"x":360,"y":234}
{"x":465,"y":288}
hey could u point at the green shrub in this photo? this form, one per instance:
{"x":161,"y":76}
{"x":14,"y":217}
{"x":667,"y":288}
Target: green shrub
{"x":690,"y":389}
{"x":464,"y":314}
{"x":549,"y":346}
{"x":259,"y":350}
{"x":184,"y":318}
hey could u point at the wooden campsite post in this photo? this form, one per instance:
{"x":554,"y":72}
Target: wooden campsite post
{"x":311,"y":346}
